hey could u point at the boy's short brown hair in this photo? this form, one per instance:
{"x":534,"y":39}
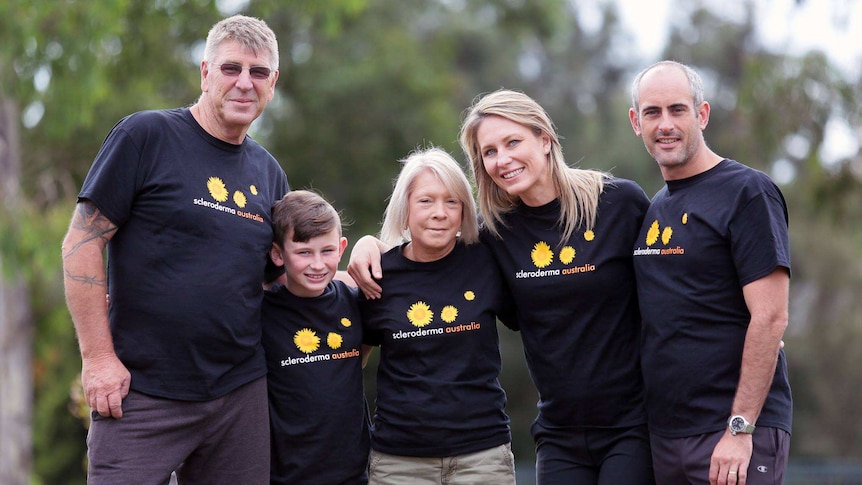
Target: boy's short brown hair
{"x":305,"y":213}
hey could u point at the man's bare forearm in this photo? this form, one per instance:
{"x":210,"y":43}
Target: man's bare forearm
{"x":767,"y":300}
{"x":84,"y":277}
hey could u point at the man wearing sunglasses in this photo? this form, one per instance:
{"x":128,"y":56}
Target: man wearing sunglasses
{"x":181,"y":198}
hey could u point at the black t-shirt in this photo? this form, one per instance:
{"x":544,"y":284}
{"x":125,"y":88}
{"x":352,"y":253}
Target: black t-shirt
{"x":186,"y":264}
{"x":577,"y":308}
{"x":318,"y":415}
{"x":702,"y":240}
{"x":438,"y":392}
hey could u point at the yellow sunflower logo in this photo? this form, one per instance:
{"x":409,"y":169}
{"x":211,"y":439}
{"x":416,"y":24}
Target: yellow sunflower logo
{"x":346,"y":322}
{"x":567,"y":254}
{"x":333,"y":340}
{"x":652,"y":233}
{"x":449,"y":314}
{"x":420,"y":314}
{"x":589,"y":235}
{"x":252,"y":189}
{"x":306,"y":340}
{"x":469,"y":295}
{"x":685,"y":218}
{"x":217,"y":189}
{"x":239,"y":199}
{"x":666,"y":234}
{"x":541,"y":254}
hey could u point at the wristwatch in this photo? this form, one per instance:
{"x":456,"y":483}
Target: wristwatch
{"x":738,"y":424}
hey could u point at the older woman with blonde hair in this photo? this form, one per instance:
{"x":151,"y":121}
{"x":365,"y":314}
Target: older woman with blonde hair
{"x":440,"y":410}
{"x":437,"y":166}
{"x":563,"y":239}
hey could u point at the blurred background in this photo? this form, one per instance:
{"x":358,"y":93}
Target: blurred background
{"x":364,"y":82}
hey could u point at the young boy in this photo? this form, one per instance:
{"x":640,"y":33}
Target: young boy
{"x":312,"y":337}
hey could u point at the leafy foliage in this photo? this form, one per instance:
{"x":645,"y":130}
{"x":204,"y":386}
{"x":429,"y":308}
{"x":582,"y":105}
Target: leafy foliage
{"x":33,"y":251}
{"x":363,"y":82}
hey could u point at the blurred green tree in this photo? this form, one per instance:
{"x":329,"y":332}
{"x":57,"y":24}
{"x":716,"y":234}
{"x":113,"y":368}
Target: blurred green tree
{"x":363,"y":82}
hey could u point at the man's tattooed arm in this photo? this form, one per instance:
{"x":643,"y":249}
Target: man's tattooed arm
{"x":88,"y":227}
{"x":104,"y":377}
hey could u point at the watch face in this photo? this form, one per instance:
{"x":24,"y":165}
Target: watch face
{"x":737,"y":424}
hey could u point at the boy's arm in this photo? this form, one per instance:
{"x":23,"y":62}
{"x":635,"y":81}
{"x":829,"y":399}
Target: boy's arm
{"x":365,"y":350}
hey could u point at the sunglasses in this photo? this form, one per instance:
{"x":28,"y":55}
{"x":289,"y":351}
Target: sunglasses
{"x":232,"y":69}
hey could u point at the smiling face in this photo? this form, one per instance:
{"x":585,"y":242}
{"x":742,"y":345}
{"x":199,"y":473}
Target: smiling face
{"x":231,"y":103}
{"x":433,"y":218}
{"x":516,"y":159}
{"x":310,"y":266}
{"x":669,"y":123}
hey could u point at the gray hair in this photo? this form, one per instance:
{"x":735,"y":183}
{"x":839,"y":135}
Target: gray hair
{"x":446,"y":169}
{"x":250,"y":32}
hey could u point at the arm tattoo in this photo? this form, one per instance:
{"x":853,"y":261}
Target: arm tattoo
{"x":96,"y":228}
{"x":89,"y":220}
{"x":87,"y":280}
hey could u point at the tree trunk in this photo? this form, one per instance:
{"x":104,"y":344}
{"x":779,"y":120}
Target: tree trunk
{"x":16,"y":332}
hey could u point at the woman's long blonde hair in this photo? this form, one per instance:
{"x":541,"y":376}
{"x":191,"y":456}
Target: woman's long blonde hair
{"x":579,"y":189}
